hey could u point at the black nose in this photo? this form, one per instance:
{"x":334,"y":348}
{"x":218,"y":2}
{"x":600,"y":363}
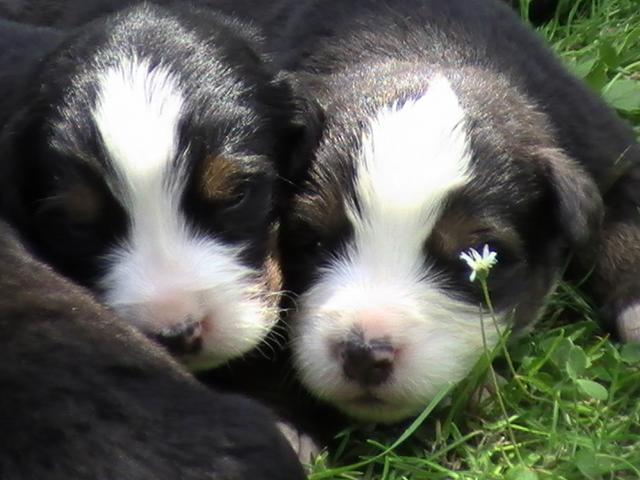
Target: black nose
{"x":183,"y":339}
{"x":368,"y":363}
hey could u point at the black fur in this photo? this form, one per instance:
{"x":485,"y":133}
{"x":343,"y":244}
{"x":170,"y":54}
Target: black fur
{"x":22,"y":46}
{"x":60,"y":14}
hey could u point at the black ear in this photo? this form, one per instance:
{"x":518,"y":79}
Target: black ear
{"x":307,"y":125}
{"x":577,"y":198}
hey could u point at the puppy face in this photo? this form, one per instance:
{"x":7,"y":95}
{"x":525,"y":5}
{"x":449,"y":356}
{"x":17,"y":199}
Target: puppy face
{"x":146,"y":163}
{"x":386,"y":315}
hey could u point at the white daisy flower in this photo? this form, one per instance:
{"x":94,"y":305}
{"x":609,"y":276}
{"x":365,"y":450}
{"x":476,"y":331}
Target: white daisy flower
{"x":480,"y":264}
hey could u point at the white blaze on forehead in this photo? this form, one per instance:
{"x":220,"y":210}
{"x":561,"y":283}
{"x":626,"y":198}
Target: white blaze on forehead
{"x":413,"y":156}
{"x":137,"y":115}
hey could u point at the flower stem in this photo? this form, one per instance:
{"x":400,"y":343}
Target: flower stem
{"x":494,"y":377}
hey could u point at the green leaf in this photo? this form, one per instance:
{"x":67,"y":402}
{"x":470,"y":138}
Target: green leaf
{"x":597,"y":77}
{"x":586,"y":462}
{"x":608,"y":54}
{"x":520,"y":351}
{"x":592,"y":389}
{"x":521,"y":473}
{"x":582,"y":68}
{"x":600,"y":373}
{"x":543,"y":382}
{"x":624,"y":95}
{"x":630,"y":353}
{"x":561,"y":354}
{"x":577,"y":362}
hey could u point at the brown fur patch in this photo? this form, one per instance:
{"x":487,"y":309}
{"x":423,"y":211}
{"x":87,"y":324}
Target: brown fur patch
{"x":456,"y":231}
{"x":219,"y":177}
{"x":272,"y":270}
{"x":273,"y":278}
{"x":325,"y":210}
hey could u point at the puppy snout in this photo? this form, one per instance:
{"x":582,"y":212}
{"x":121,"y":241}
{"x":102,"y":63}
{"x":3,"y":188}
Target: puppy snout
{"x":184,"y":338}
{"x":369,"y":363}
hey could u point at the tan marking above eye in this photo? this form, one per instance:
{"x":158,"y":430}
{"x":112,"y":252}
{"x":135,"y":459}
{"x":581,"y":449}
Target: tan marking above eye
{"x":219,"y":177}
{"x":453,"y":231}
{"x":457,"y":231}
{"x":325,"y":212}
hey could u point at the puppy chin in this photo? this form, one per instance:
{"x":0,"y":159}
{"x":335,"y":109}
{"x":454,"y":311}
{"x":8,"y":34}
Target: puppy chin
{"x":373,"y":410}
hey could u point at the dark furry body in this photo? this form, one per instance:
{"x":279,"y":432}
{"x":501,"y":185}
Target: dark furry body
{"x":86,"y":397}
{"x":59,"y":14}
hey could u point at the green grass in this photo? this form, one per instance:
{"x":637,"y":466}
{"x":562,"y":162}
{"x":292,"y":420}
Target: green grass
{"x":568,"y":399}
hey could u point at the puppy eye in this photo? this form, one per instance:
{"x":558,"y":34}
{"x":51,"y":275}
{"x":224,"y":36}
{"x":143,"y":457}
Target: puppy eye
{"x":316,"y":245}
{"x":64,"y":225}
{"x":241,"y":196}
{"x":249,"y":202}
{"x":310,"y":242}
{"x":313,"y":244}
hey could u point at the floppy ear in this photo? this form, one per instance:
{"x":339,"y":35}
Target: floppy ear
{"x":577,"y":198}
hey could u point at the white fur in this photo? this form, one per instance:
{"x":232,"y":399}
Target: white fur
{"x":413,"y":156}
{"x":629,"y":323}
{"x":137,"y":115}
{"x":165,"y":273}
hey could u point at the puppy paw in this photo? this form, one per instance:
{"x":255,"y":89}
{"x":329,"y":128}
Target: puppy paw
{"x":629,"y":323}
{"x":304,"y":446}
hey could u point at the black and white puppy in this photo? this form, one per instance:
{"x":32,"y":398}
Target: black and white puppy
{"x":141,"y":160}
{"x":446,"y":125}
{"x":85,"y":396}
